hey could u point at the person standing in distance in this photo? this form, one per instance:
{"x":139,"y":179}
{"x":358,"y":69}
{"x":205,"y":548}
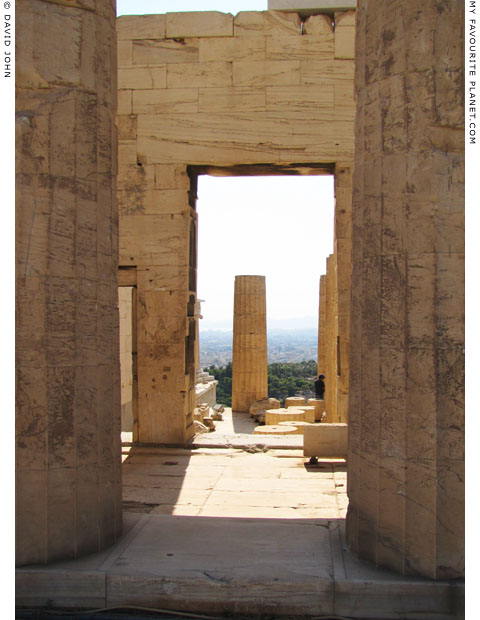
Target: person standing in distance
{"x":320,"y":387}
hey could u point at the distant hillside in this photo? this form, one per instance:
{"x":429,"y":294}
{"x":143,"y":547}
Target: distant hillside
{"x":284,"y":345}
{"x":284,"y":379}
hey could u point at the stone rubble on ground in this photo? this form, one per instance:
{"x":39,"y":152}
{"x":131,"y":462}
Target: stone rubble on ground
{"x":198,"y":427}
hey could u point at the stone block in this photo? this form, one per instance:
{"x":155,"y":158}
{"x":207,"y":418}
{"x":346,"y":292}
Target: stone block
{"x":253,"y":23}
{"x":223,"y":49}
{"x":162,"y":417}
{"x":124,"y":53}
{"x":161,"y":303}
{"x":140,"y":27}
{"x":124,"y":101}
{"x":324,"y":440}
{"x":206,"y":74}
{"x":267,"y":403}
{"x":153,"y":379}
{"x":152,"y":201}
{"x":318,"y":24}
{"x":266,"y":73}
{"x":300,"y":99}
{"x":176,"y":138}
{"x":127,"y":126}
{"x":199,"y":24}
{"x":58,"y":588}
{"x":171,"y":177}
{"x":294,"y":401}
{"x":162,"y":52}
{"x":345,"y":35}
{"x":127,"y":153}
{"x":326,"y":71}
{"x":344,"y":98}
{"x":150,"y":242}
{"x":315,"y":46}
{"x":160,"y":101}
{"x":231,"y":99}
{"x":135,"y":178}
{"x":138,"y":78}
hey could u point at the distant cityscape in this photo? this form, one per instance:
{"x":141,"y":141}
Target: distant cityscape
{"x":284,"y":345}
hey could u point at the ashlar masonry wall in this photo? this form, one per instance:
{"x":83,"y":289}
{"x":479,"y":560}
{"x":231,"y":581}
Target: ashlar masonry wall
{"x":210,"y":91}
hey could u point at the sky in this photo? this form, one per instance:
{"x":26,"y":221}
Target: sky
{"x":280,"y":227}
{"x":140,"y":7}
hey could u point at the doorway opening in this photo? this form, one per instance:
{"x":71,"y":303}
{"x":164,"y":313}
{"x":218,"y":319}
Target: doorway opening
{"x":271,"y":223}
{"x":127,"y":309}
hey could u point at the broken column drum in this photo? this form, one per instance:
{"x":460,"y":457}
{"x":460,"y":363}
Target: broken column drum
{"x":249,"y":372}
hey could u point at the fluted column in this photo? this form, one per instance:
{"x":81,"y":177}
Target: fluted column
{"x":68,"y":453}
{"x":406,"y":416}
{"x":249,"y":376}
{"x":321,"y":326}
{"x":330,"y":370}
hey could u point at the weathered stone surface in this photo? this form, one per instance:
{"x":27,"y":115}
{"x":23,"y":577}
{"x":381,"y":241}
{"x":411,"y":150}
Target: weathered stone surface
{"x":407,"y":296}
{"x":235,"y":99}
{"x":318,"y":24}
{"x":200,"y":24}
{"x":228,"y":49}
{"x":325,"y":440}
{"x":275,"y":429}
{"x":140,"y":27}
{"x":161,"y":101}
{"x":68,"y":380}
{"x":345,"y":35}
{"x":266,"y":73}
{"x":142,"y":77}
{"x":266,"y":403}
{"x":253,"y":23}
{"x":199,"y":428}
{"x":315,"y":46}
{"x":275,"y":416}
{"x":294,"y":401}
{"x":208,"y":74}
{"x":163,"y":51}
{"x":249,"y":365}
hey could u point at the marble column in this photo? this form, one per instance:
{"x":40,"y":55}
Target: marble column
{"x":249,"y":376}
{"x":321,"y":326}
{"x":330,"y":370}
{"x":68,"y":452}
{"x":406,"y":409}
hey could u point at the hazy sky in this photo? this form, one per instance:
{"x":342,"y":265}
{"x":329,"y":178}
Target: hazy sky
{"x":278,"y":227}
{"x":139,"y":7}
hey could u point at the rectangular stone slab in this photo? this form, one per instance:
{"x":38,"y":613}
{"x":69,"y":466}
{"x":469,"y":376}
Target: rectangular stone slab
{"x":325,"y":440}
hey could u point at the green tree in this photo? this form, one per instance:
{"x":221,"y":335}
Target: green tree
{"x":284,"y":379}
